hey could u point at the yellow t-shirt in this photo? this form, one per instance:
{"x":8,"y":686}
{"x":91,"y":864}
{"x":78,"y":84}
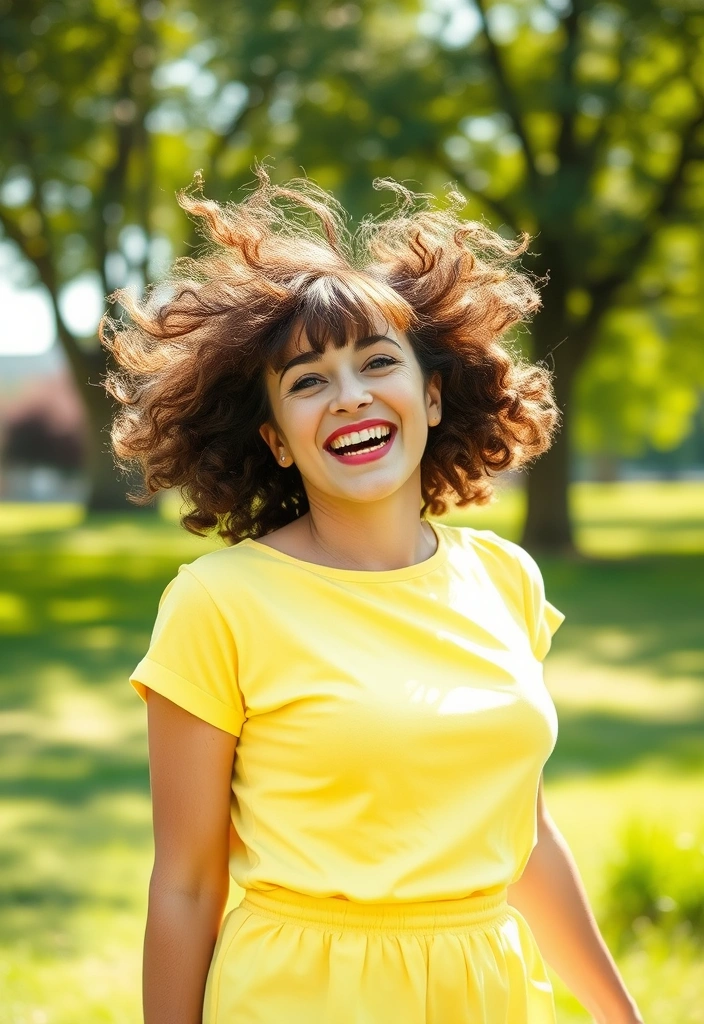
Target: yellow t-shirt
{"x":392,"y":725}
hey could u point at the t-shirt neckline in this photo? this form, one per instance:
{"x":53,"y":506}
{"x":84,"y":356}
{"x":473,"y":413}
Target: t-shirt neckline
{"x":406,"y":572}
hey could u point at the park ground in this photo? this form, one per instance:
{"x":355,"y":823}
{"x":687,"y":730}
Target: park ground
{"x":77,"y":600}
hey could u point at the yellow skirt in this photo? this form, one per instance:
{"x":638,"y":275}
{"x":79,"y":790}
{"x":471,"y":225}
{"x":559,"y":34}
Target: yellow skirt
{"x":286,"y":958}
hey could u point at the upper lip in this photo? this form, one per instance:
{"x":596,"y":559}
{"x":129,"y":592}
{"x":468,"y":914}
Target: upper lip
{"x":351,"y":427}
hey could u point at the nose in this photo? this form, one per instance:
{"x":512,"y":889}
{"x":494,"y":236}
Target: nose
{"x":352,"y":393}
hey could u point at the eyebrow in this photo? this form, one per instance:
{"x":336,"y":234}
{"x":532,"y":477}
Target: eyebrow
{"x":313,"y":357}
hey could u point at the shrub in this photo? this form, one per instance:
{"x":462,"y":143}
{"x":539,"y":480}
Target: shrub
{"x":656,"y":878}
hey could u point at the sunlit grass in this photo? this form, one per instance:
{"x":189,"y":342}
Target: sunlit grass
{"x":20,"y":518}
{"x":77,"y":601}
{"x":655,"y":878}
{"x":618,"y":520}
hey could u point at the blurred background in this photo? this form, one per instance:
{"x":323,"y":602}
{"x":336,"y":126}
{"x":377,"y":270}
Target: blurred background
{"x":579,"y":121}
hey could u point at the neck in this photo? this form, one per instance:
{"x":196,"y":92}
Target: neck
{"x":371,"y":536}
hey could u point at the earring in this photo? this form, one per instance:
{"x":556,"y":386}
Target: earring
{"x":283,"y":457}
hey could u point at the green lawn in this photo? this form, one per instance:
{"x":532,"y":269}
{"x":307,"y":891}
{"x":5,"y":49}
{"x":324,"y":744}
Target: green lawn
{"x":77,"y":601}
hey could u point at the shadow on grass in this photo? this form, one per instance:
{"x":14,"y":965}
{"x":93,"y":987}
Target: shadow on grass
{"x":604,"y":743}
{"x":654,"y":603}
{"x":71,"y":773}
{"x":90,"y":871}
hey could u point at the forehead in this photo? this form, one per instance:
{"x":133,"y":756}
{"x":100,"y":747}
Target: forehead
{"x":299,"y":340}
{"x":337,"y":310}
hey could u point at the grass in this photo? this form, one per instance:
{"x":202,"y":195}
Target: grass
{"x":614,"y":521}
{"x":77,"y":601}
{"x":656,"y":879}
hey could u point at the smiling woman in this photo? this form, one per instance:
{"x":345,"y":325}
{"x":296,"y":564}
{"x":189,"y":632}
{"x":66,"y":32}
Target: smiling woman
{"x":345,"y":701}
{"x":195,"y":365}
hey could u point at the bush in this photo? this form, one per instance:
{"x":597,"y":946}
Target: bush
{"x":34,"y":440}
{"x":657,"y":878}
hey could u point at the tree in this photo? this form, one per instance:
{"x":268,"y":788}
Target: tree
{"x":109,"y":108}
{"x":602,"y":107}
{"x":581,"y":122}
{"x":75,"y":92}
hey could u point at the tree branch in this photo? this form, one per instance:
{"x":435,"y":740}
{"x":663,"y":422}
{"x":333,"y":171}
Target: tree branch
{"x":221,"y":142}
{"x":79,"y":360}
{"x":588,"y":153}
{"x":112,"y":187}
{"x":130,"y":135}
{"x":12,"y":231}
{"x":498,"y":207}
{"x":143,"y":146}
{"x":507,"y":96}
{"x":604,"y":290}
{"x":565,"y":149}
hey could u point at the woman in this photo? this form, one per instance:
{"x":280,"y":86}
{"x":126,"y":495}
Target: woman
{"x":346,"y":702}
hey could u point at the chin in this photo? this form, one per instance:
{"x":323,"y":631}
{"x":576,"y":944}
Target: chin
{"x":377,"y":491}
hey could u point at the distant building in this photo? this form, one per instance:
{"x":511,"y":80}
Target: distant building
{"x":42,"y":431}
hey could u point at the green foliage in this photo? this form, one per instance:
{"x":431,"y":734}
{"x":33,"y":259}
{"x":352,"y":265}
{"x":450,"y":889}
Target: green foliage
{"x":581,"y":122}
{"x":645,"y":376}
{"x":657,"y":878}
{"x":76,"y":86}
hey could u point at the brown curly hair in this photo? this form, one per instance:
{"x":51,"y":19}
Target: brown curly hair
{"x":192,"y":361}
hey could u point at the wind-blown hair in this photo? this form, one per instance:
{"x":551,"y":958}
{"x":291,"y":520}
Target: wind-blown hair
{"x":191,"y":360}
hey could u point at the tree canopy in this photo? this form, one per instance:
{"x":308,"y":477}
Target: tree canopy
{"x":580,"y":121}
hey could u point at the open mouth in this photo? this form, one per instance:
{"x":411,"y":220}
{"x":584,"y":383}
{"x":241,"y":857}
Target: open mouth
{"x":364,"y":447}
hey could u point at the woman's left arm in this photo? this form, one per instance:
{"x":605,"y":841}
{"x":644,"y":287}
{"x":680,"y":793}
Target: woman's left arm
{"x":551,"y":897}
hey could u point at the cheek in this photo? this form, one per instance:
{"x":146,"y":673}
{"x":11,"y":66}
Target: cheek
{"x":411,"y":395}
{"x":411,"y":382}
{"x":303,"y":421}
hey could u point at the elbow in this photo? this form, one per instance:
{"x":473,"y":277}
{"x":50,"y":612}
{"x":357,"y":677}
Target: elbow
{"x":188,"y":883}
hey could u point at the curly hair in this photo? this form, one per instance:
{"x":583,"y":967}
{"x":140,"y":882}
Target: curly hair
{"x":191,"y":359}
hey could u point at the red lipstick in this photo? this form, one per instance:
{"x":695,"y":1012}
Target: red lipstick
{"x":378,"y":451}
{"x":357,"y":426}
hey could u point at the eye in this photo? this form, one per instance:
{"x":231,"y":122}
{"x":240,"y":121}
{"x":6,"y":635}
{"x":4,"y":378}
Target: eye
{"x":386,"y":361}
{"x":301,"y":384}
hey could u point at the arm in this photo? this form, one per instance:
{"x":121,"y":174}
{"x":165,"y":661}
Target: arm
{"x":551,"y":897}
{"x":190,"y":764}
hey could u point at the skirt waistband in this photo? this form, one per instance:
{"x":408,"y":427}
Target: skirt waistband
{"x":333,"y":912}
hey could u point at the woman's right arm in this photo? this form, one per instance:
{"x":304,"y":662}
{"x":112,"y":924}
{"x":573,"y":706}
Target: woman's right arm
{"x":190,"y":767}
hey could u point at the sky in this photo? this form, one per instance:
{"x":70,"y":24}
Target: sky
{"x":27,"y":325}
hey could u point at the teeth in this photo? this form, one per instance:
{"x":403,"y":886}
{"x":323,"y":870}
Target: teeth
{"x":362,"y":435}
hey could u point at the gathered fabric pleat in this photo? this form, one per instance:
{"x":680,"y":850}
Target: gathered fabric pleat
{"x":287,"y":958}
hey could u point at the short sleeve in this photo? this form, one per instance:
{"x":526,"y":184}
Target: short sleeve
{"x":192,"y":656}
{"x":542,"y":617}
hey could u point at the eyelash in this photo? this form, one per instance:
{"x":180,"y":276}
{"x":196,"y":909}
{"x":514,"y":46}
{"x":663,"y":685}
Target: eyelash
{"x":298,"y":385}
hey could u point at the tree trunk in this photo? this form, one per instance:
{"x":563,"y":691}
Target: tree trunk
{"x":548,"y":525}
{"x":108,"y":486}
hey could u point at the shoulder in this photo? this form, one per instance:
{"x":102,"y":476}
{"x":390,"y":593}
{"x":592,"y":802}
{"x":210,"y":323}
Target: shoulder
{"x":512,"y":570}
{"x":489,"y":546}
{"x":227,"y":564}
{"x":213,"y":578}
{"x":518,"y":578}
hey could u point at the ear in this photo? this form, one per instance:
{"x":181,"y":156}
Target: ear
{"x":433,"y":399}
{"x":273,"y":440}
